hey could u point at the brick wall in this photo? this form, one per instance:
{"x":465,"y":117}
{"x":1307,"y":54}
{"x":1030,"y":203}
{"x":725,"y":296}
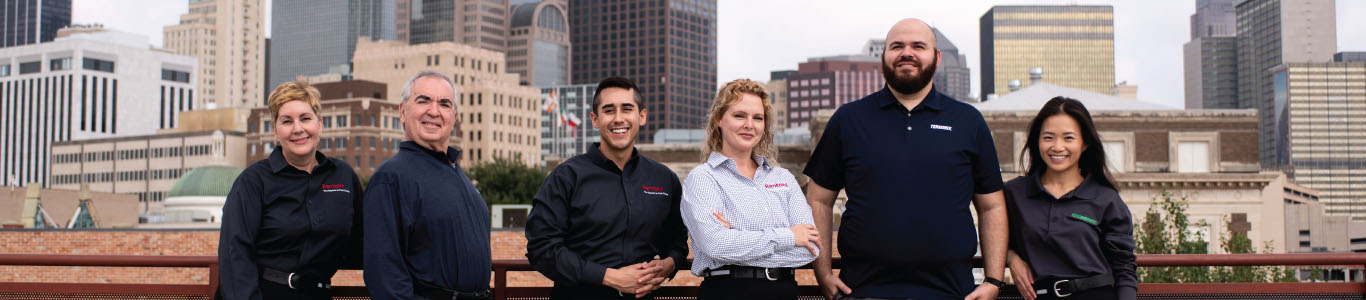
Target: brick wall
{"x":506,"y":245}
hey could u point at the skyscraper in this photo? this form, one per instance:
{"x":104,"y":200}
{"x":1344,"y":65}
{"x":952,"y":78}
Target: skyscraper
{"x":1075,"y":44}
{"x":667,"y":47}
{"x":1324,"y":114}
{"x":24,"y":22}
{"x":1271,"y":33}
{"x":311,"y":37}
{"x":228,"y":39}
{"x":482,"y":23}
{"x":538,"y":43}
{"x":1211,"y":56}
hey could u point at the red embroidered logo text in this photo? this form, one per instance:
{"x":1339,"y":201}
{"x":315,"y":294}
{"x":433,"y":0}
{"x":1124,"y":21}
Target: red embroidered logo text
{"x":334,"y":186}
{"x":652,"y":188}
{"x":776,"y":185}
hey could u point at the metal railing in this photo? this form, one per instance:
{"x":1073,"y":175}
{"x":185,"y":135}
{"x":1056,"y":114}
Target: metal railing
{"x":502,"y":291}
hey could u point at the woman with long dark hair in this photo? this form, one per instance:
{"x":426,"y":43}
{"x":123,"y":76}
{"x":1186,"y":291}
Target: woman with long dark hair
{"x":1071,"y":235}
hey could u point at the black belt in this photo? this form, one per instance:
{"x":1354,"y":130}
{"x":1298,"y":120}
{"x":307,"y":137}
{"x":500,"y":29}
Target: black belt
{"x":1067,"y":287}
{"x":746,"y":272}
{"x":436,"y":293}
{"x":295,"y":280}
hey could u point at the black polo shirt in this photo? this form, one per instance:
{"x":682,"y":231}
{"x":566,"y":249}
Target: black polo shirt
{"x":590,"y":215}
{"x":280,"y":217}
{"x":910,"y":175}
{"x":429,"y":226}
{"x":1086,"y":232}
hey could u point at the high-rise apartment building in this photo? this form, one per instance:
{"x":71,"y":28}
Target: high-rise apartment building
{"x":1211,"y":57}
{"x":828,"y":82}
{"x":92,"y":84}
{"x":24,"y":22}
{"x":228,"y":38}
{"x":482,"y":23}
{"x":667,"y":47}
{"x":1075,"y":44}
{"x":777,"y":96}
{"x":497,"y":117}
{"x":311,"y":37}
{"x":1271,"y":33}
{"x":566,"y":130}
{"x":538,"y":43}
{"x":1321,"y":123}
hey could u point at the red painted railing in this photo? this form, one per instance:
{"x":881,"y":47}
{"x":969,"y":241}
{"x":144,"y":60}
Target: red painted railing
{"x":502,"y":267}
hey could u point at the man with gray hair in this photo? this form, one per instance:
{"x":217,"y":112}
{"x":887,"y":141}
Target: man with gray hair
{"x":426,"y":227}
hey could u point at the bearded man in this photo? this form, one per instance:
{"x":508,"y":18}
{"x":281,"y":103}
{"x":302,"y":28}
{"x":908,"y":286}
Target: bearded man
{"x":910,"y":161}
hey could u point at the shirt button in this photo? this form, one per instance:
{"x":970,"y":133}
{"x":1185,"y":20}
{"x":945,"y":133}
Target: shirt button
{"x":908,"y":114}
{"x":908,"y":128}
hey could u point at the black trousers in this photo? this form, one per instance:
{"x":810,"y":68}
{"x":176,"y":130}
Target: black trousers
{"x":717,"y":288}
{"x":591,"y":293}
{"x":1100,"y":293}
{"x":271,"y":290}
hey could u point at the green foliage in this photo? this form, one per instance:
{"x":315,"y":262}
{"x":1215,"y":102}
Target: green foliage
{"x":507,"y":181}
{"x":1164,"y":230}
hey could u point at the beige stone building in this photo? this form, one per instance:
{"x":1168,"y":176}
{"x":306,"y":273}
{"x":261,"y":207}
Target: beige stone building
{"x":36,"y":207}
{"x":497,"y":116}
{"x":227,"y":38}
{"x":777,"y":94}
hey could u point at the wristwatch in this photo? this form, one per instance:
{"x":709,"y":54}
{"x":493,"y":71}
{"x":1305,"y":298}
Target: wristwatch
{"x":993,"y":281}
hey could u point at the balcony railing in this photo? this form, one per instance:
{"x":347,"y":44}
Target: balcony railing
{"x":501,"y":290}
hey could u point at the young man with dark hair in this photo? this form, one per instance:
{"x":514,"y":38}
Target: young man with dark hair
{"x":605,"y":224}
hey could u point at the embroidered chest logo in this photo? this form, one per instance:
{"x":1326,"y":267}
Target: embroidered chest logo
{"x":941,"y":127}
{"x":654,"y":190}
{"x":329,"y":188}
{"x":775,"y":185}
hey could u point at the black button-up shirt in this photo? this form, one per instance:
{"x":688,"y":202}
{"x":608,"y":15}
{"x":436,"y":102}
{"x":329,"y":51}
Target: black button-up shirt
{"x":428,"y":225}
{"x":279,"y":217}
{"x":1084,"y":233}
{"x":906,"y":231}
{"x":589,"y":216}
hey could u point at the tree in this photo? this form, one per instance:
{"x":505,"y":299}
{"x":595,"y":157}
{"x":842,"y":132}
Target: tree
{"x":1164,"y":230}
{"x":507,"y":181}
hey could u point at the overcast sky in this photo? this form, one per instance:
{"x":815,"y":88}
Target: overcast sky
{"x":758,"y":36}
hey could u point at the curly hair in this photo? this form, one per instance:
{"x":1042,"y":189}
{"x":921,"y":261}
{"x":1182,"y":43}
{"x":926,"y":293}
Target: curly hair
{"x":728,"y":96}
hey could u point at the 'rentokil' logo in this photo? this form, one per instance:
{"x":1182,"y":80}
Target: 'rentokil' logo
{"x":775,"y":185}
{"x":653,"y":190}
{"x":328,"y":188}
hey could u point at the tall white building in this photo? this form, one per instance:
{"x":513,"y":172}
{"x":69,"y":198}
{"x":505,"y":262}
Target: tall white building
{"x":228,"y":38}
{"x":88,"y":83}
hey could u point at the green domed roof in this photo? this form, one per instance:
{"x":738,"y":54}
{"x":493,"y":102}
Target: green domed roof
{"x":205,"y":181}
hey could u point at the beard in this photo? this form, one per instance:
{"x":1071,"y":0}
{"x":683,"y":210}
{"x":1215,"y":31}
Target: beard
{"x":909,"y":84}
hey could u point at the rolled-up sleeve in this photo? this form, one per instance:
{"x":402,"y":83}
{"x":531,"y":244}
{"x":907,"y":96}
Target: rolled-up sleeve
{"x":240,"y":276}
{"x":702,"y":196}
{"x":1118,"y":248}
{"x":386,"y":269}
{"x":546,"y":229}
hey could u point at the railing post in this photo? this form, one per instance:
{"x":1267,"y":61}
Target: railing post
{"x":500,"y":283}
{"x":213,"y":281}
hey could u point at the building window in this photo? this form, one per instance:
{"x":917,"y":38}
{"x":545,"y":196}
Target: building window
{"x":1192,"y":157}
{"x":30,"y":67}
{"x":341,"y":121}
{"x":327,"y":122}
{"x":4,"y":70}
{"x":173,"y":75}
{"x":98,"y":65}
{"x":265,"y":126}
{"x":59,"y":64}
{"x":1114,"y":156}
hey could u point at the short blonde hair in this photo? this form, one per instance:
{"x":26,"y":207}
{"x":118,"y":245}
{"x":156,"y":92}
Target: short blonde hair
{"x":293,"y":91}
{"x":730,"y":94}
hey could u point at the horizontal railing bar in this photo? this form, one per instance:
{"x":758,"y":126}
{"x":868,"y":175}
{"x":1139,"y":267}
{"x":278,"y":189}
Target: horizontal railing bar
{"x":104,"y":288}
{"x":168,"y":261}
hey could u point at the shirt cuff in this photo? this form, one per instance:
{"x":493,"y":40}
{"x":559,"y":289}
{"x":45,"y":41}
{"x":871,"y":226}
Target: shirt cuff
{"x":593,"y":274}
{"x":1126,"y":293}
{"x":784,"y":238}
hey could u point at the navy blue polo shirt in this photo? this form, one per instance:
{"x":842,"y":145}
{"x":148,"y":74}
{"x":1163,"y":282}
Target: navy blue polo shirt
{"x":909,"y":175}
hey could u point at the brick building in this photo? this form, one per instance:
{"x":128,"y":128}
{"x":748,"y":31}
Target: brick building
{"x":359,"y":126}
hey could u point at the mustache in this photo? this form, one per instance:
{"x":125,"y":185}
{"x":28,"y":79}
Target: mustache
{"x":908,"y":59}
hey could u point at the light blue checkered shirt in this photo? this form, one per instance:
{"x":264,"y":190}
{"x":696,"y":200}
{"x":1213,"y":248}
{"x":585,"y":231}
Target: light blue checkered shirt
{"x":759,"y":210}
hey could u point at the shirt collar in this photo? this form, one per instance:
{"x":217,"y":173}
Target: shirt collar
{"x":602,"y":161}
{"x":1086,"y":190}
{"x":934,"y":100}
{"x":451,"y":156}
{"x":716,"y":159}
{"x":278,"y":164}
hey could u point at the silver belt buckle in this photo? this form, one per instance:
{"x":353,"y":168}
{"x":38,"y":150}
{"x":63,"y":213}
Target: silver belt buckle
{"x":770,"y":277}
{"x":289,"y":281}
{"x":1058,"y":292}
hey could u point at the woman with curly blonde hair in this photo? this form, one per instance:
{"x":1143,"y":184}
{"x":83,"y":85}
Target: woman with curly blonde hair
{"x":749,"y":221}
